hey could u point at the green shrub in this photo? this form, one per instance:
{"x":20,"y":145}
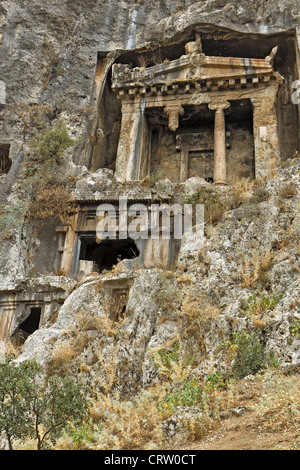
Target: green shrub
{"x":258,"y":305}
{"x":49,"y":144}
{"x":249,"y":355}
{"x":16,"y":391}
{"x":170,"y":356}
{"x":83,"y":434}
{"x":189,"y":394}
{"x":295,"y":328}
{"x":50,"y":197}
{"x":11,"y":218}
{"x":216,"y":380}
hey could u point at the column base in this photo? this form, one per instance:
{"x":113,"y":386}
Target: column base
{"x":220,"y":183}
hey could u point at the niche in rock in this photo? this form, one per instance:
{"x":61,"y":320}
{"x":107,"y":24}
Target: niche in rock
{"x":5,"y":161}
{"x":118,"y":305}
{"x":105,"y":140}
{"x":28,"y":326}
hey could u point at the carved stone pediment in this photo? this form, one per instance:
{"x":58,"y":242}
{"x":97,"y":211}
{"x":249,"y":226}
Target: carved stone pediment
{"x":195,"y":67}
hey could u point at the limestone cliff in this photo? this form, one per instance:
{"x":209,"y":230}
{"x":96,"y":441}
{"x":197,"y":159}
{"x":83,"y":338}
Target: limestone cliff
{"x":112,"y":326}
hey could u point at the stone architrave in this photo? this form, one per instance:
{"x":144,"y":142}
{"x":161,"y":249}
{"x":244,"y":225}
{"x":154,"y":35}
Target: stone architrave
{"x":219,"y":142}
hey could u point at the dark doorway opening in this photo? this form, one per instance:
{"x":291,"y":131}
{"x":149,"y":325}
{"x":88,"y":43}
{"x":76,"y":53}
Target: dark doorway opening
{"x":27,"y":327}
{"x":31,"y":324}
{"x":5,"y":161}
{"x":107,"y":253}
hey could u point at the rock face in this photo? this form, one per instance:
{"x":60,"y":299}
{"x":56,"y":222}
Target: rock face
{"x":253,"y":253}
{"x":115,"y":326}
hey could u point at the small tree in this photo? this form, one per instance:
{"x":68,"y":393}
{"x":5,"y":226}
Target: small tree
{"x":49,"y":144}
{"x":62,"y":401}
{"x":34,"y":406}
{"x":16,"y":392}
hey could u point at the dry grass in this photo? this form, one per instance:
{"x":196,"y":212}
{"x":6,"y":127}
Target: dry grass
{"x":9,"y":347}
{"x":198,"y":309}
{"x":63,"y":352}
{"x":32,"y":115}
{"x":288,"y":191}
{"x":129,"y":424}
{"x":197,"y":314}
{"x":50,"y":202}
{"x":253,"y":267}
{"x":240,"y":191}
{"x":136,"y":423}
{"x":271,"y":401}
{"x":109,"y":369}
{"x":270,"y":420}
{"x":67,"y":353}
{"x":279,"y":405}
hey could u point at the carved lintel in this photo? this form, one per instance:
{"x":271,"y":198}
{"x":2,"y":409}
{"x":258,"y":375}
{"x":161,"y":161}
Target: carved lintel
{"x":174,"y":112}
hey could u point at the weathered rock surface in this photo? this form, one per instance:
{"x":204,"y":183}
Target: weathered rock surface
{"x":243,"y":256}
{"x":49,"y":51}
{"x":49,"y":57}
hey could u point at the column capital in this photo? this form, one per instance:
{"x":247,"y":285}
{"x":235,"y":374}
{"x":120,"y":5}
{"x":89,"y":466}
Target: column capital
{"x":174,"y":108}
{"x":218,"y":105}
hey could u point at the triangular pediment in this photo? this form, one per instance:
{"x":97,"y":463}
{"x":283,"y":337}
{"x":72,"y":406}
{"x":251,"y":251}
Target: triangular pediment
{"x":193,"y":68}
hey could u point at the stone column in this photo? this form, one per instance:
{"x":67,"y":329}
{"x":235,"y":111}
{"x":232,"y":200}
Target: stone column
{"x":131,"y":141}
{"x":219,"y":142}
{"x":70,"y":241}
